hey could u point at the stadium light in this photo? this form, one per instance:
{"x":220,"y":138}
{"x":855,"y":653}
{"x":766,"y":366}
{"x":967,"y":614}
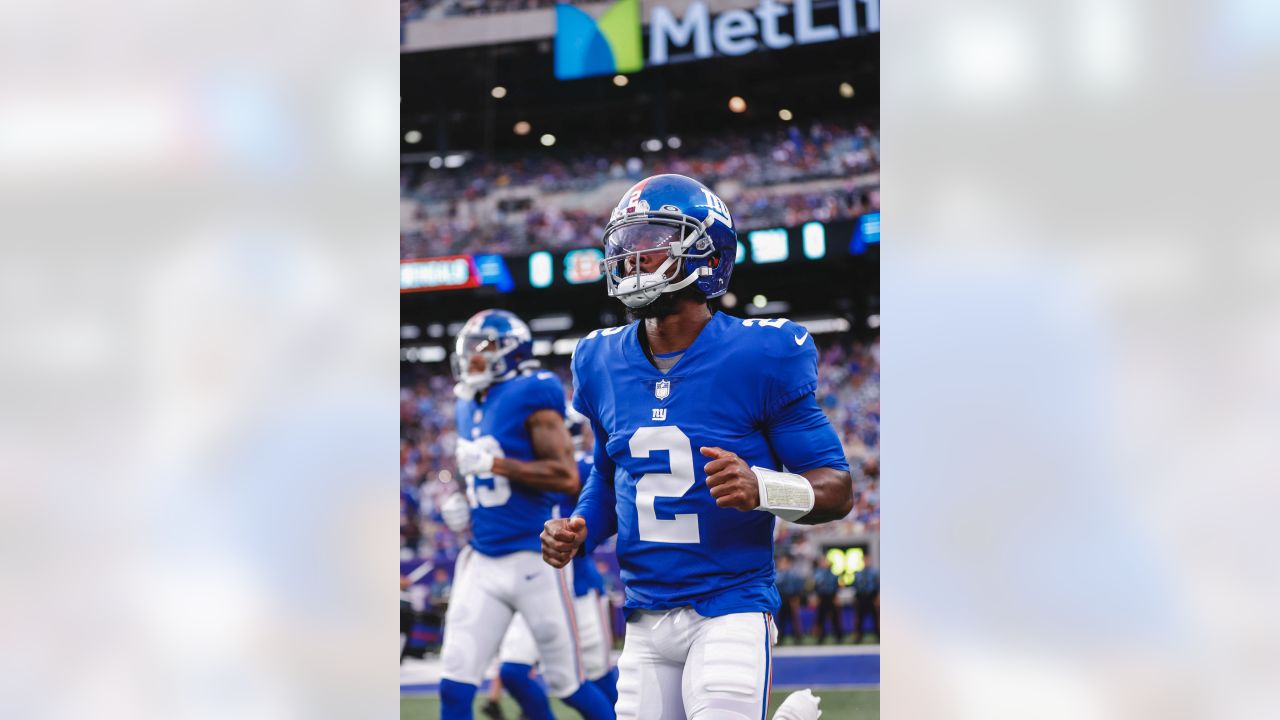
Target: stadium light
{"x":822,"y":325}
{"x":773,"y":308}
{"x":846,"y":90}
{"x":551,"y":323}
{"x":768,"y":246}
{"x":737,"y":104}
{"x":436,"y":162}
{"x":412,"y":137}
{"x":729,"y":300}
{"x":620,"y":80}
{"x":498,"y":92}
{"x":814,"y":237}
{"x":565,"y":346}
{"x":454,"y":161}
{"x":651,"y":145}
{"x":539,"y":270}
{"x":759,"y":301}
{"x":521,"y":128}
{"x":784,"y":114}
{"x":673,"y":142}
{"x":873,"y":321}
{"x":548,"y":140}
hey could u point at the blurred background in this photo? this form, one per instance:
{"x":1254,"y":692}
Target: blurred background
{"x":200,"y":378}
{"x":508,"y":174}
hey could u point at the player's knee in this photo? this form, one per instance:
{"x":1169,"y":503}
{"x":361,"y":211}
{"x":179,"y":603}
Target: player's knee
{"x":560,"y":686}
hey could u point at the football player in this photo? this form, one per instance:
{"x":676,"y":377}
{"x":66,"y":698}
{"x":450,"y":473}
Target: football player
{"x":518,"y":652}
{"x":706,"y":429}
{"x":516,"y":454}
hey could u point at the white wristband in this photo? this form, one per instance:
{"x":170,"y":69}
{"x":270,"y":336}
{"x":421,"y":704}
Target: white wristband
{"x":788,"y":496}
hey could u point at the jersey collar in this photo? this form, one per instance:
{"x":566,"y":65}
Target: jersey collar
{"x":706,"y":339}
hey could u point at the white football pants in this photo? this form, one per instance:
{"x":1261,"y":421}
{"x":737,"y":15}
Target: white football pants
{"x":487,"y":592}
{"x":678,"y":664}
{"x":595,"y":637}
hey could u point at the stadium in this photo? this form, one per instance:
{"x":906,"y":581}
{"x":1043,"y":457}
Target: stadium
{"x":522,"y":123}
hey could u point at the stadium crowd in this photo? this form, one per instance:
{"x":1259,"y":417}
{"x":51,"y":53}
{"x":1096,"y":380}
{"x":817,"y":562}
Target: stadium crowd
{"x":848,"y":391}
{"x":780,"y":177}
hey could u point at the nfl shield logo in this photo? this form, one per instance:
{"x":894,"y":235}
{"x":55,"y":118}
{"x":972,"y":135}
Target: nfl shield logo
{"x":662,"y":389}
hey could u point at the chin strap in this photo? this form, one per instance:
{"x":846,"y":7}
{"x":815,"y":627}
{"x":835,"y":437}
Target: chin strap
{"x":645,"y":294}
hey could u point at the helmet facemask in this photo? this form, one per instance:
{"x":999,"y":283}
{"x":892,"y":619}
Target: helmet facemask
{"x":630,"y":244}
{"x":492,"y":349}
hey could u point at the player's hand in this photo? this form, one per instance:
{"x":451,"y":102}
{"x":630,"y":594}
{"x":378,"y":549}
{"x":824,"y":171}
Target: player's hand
{"x":456,"y":512}
{"x":730,"y":479}
{"x":473,"y":459}
{"x":561,"y":538}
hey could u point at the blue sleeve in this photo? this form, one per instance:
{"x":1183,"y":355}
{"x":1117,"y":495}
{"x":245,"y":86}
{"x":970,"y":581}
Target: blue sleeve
{"x":597,"y":504}
{"x":802,"y":438}
{"x":790,"y":369}
{"x":579,"y":397}
{"x":547,"y":393}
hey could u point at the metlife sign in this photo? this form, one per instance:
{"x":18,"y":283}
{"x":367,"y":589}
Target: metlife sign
{"x":587,"y":47}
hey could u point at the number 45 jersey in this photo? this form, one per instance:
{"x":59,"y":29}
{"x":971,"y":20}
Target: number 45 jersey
{"x":507,"y":517}
{"x":746,"y":386}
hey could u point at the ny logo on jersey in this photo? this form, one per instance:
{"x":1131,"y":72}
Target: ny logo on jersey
{"x":662,"y":389}
{"x":660,"y":414}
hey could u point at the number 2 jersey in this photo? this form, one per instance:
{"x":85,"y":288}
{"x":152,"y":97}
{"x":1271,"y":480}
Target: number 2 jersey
{"x":507,"y":517}
{"x":746,"y":386}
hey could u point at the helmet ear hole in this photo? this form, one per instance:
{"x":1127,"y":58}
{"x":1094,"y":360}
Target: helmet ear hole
{"x":715,"y":261}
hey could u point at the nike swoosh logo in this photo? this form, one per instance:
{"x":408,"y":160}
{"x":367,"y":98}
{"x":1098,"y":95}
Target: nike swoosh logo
{"x":800,"y":340}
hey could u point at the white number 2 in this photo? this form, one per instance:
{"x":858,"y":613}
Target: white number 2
{"x":683,"y":528}
{"x":500,"y":493}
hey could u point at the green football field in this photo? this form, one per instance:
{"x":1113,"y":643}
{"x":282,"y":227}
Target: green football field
{"x":836,"y":705}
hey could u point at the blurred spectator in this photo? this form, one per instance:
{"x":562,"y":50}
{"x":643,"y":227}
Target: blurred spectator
{"x":866,"y":594}
{"x":791,"y":588}
{"x":825,"y":586}
{"x":441,"y":586}
{"x":783,"y":176}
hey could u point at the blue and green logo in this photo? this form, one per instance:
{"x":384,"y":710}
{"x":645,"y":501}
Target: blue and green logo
{"x":586,"y":47}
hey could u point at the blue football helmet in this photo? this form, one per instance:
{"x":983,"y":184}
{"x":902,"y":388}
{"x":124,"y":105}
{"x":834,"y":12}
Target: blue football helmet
{"x":504,"y":343}
{"x":679,"y":217}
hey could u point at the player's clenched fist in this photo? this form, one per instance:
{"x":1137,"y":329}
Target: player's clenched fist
{"x":730,"y":480}
{"x":561,"y":538}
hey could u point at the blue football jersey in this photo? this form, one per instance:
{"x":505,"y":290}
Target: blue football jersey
{"x":506,"y":516}
{"x":585,"y":575}
{"x":731,"y":389}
